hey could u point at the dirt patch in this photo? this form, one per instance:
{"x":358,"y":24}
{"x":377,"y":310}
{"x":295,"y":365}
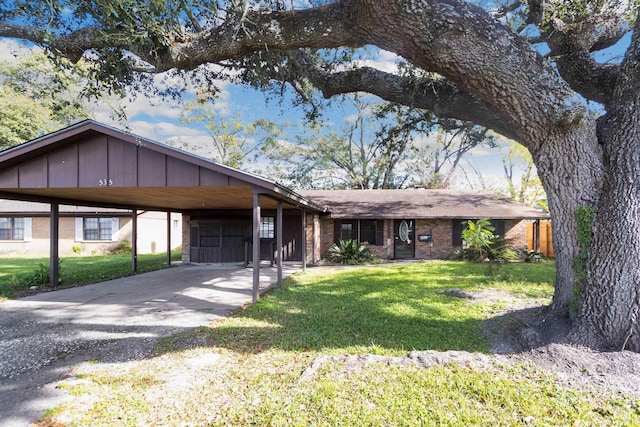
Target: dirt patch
{"x":523,"y":332}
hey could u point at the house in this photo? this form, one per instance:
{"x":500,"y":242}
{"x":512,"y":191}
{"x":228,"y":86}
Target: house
{"x":417,"y":223}
{"x":227,"y":215}
{"x":25,"y":228}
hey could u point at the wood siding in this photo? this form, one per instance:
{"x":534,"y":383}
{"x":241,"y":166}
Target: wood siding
{"x":103,"y":161}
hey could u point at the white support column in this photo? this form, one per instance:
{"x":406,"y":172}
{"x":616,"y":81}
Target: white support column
{"x":279,"y":242}
{"x":256,"y":247}
{"x":54,"y":259}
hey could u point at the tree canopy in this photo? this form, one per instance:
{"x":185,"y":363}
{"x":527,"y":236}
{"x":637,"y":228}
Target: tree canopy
{"x":527,"y":69}
{"x":37,"y":98}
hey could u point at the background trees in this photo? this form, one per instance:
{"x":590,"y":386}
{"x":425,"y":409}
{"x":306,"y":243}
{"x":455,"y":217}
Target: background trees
{"x":37,"y":97}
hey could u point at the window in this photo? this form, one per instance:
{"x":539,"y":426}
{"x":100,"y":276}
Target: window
{"x":97,"y":229}
{"x":361,"y":230}
{"x":368,"y":231}
{"x":267,"y":227}
{"x":347,"y":231}
{"x":12,"y":228}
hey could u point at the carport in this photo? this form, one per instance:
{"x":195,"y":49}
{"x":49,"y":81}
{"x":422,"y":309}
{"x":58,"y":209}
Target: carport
{"x":90,"y":164}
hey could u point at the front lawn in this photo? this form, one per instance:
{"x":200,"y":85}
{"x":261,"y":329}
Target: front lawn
{"x":247,"y":369}
{"x":20,"y":273}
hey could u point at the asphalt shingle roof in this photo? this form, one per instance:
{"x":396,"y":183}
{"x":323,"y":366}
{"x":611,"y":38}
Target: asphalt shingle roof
{"x":420,"y":204}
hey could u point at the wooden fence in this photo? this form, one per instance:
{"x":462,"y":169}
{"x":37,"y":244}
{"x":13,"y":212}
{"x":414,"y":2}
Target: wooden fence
{"x":546,"y":240}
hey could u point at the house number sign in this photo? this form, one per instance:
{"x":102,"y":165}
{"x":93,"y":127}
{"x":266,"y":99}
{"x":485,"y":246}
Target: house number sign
{"x":105,"y":182}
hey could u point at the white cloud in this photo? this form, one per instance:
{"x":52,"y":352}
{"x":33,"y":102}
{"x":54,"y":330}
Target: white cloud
{"x":10,"y":49}
{"x":162,"y":131}
{"x":385,"y":61}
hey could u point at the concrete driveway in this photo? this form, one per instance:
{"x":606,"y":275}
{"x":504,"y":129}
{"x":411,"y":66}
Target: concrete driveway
{"x":43,"y":336}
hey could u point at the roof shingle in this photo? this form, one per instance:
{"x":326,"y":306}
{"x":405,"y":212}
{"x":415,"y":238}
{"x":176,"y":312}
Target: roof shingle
{"x":420,"y":204}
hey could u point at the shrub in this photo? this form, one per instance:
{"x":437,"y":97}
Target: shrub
{"x":77,"y":249}
{"x":40,"y":275}
{"x":483,"y":245}
{"x":123,"y":247}
{"x":350,"y":252}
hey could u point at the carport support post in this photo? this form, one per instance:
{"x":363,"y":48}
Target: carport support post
{"x":279,"y":241}
{"x":304,"y":240}
{"x":168,"y":238}
{"x":134,"y":240}
{"x":256,"y":247}
{"x":54,"y":228}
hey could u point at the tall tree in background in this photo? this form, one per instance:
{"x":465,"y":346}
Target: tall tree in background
{"x":383,"y":145}
{"x":529,"y":188}
{"x":232,"y":142}
{"x":369,"y":150}
{"x":38,"y":97}
{"x":467,"y":62}
{"x":436,"y":164}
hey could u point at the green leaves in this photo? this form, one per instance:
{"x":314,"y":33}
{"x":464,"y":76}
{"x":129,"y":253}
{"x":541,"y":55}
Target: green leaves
{"x":350,"y":252}
{"x":483,"y":245}
{"x":38,"y":96}
{"x":479,"y":236}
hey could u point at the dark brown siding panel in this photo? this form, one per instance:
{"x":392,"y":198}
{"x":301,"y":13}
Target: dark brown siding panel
{"x":9,"y":178}
{"x":92,"y":163}
{"x":34,"y":174}
{"x":63,"y":168}
{"x":337,"y":230}
{"x":123,"y":163}
{"x":380,"y":232}
{"x":152,"y":168}
{"x":181,"y":173}
{"x":292,"y":236}
{"x":233,"y":182}
{"x":210,"y":178}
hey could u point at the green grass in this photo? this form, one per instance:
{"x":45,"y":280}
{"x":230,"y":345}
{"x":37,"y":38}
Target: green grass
{"x":20,"y":273}
{"x":244,"y":370}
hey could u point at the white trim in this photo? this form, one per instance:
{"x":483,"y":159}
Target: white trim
{"x":79,"y":237}
{"x":28,"y":226}
{"x":115,"y":229}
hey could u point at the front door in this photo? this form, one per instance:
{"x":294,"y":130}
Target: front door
{"x":404,"y":241}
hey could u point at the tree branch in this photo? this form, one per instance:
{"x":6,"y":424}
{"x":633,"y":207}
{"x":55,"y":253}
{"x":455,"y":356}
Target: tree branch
{"x":571,"y":51}
{"x":438,"y":96}
{"x":572,"y":44}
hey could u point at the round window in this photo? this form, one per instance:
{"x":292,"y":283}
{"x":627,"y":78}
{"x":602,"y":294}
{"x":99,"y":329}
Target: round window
{"x":403,"y":231}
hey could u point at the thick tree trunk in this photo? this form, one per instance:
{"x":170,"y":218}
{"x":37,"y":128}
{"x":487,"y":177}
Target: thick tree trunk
{"x":570,"y":168}
{"x":610,"y":302}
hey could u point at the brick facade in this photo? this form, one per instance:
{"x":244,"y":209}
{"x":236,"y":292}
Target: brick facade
{"x":440,"y":247}
{"x":186,"y":239}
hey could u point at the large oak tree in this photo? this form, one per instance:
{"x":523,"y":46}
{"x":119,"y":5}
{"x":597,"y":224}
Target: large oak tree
{"x":467,"y":62}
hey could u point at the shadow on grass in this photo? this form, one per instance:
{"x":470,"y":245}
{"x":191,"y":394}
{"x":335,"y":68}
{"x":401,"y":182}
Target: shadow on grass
{"x":387,"y":310}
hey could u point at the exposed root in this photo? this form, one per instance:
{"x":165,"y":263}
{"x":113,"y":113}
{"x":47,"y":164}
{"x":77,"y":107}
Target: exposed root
{"x":423,"y":359}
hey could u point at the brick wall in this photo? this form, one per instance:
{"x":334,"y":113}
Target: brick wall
{"x":151,"y":237}
{"x":440,"y":247}
{"x":313,"y":227}
{"x":516,"y":231}
{"x":186,"y":239}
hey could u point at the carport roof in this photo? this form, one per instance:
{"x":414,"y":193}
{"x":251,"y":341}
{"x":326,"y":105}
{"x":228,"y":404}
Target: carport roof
{"x":92,"y":164}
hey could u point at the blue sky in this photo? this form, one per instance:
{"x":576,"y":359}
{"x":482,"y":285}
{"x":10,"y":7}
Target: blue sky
{"x":159,"y":119}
